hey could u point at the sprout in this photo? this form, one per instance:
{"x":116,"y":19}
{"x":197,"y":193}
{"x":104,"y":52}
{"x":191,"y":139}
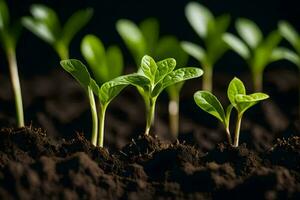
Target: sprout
{"x":257,"y":52}
{"x":9,"y":34}
{"x":145,"y":39}
{"x":105,"y":92}
{"x":45,"y":24}
{"x":160,"y":75}
{"x":239,"y":100}
{"x":211,"y":30}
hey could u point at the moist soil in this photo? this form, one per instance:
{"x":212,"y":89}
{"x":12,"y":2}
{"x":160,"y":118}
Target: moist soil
{"x":37,"y":163}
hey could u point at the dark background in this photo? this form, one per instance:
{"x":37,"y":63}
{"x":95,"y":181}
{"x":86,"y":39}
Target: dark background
{"x":35,"y":56}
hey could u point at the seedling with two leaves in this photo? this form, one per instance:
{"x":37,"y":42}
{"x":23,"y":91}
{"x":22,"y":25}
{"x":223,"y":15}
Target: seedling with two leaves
{"x":45,"y":24}
{"x":254,"y":49}
{"x":239,"y":100}
{"x":145,"y":39}
{"x":160,"y":75}
{"x":105,"y":92}
{"x":210,"y":29}
{"x":9,"y":34}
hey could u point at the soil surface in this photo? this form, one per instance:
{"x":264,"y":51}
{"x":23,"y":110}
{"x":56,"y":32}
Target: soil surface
{"x":31,"y":165}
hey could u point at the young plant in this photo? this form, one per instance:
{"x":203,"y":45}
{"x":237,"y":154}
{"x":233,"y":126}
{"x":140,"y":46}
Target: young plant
{"x":160,"y":75}
{"x":105,"y":64}
{"x":144,"y":39}
{"x":9,"y":34}
{"x":105,"y":92}
{"x":45,"y":24}
{"x":210,"y":29}
{"x":257,"y":51}
{"x":239,"y":100}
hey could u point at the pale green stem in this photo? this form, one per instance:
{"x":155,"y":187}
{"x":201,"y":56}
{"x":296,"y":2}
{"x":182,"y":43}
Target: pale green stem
{"x":102,"y":110}
{"x":237,"y":130}
{"x":150,"y":114}
{"x":94,"y":116}
{"x":174,"y":115}
{"x":14,"y":75}
{"x":207,"y":78}
{"x":257,"y":81}
{"x":62,"y":51}
{"x":228,"y":136}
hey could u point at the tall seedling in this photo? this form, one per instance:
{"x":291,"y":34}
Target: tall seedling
{"x":257,"y":51}
{"x":210,"y":29}
{"x":45,"y":24}
{"x":9,"y":34}
{"x":145,"y":39}
{"x":105,"y":92}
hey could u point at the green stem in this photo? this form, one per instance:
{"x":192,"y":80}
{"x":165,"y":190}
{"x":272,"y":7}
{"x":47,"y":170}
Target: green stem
{"x":62,"y":51}
{"x":207,"y":78}
{"x":228,"y":136}
{"x":102,"y":110}
{"x":237,"y":130}
{"x":94,"y":116}
{"x":257,"y":81}
{"x":14,"y":75}
{"x":174,"y":115}
{"x":150,"y":114}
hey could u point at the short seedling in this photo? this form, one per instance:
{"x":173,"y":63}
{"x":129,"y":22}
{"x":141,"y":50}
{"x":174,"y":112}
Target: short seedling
{"x":239,"y":100}
{"x":257,"y":52}
{"x":45,"y":24}
{"x":160,"y":75}
{"x":145,"y":39}
{"x":9,"y":34}
{"x":106,"y":92}
{"x":104,"y":64}
{"x":211,"y":30}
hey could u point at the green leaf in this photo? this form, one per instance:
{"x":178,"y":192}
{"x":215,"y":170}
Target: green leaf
{"x":76,"y":22}
{"x":245,"y":102}
{"x":111,"y":89}
{"x":150,"y":31}
{"x":194,"y":50}
{"x":284,"y":53}
{"x":133,"y":38}
{"x":210,"y":104}
{"x":169,"y":47}
{"x":236,"y":45}
{"x":177,"y":76}
{"x":198,"y":17}
{"x":114,"y":61}
{"x":290,"y":34}
{"x":148,"y":67}
{"x":4,"y":14}
{"x":235,"y":87}
{"x":164,"y":67}
{"x":249,"y":31}
{"x":93,"y":52}
{"x":78,"y":70}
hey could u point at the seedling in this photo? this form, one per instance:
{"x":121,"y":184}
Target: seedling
{"x":144,"y":39}
{"x":105,"y":65}
{"x":239,"y":100}
{"x":9,"y":34}
{"x":210,"y":29}
{"x":257,"y":52}
{"x":45,"y":24}
{"x":160,"y":75}
{"x":105,"y":92}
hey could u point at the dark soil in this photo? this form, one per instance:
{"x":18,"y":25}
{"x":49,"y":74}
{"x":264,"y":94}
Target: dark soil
{"x":38,"y":164}
{"x":33,"y":166}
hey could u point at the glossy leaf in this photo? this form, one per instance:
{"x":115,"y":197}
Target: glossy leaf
{"x":249,"y":32}
{"x":133,"y":38}
{"x":244,"y":102}
{"x":193,"y":50}
{"x":164,"y":67}
{"x":235,"y":87}
{"x":148,"y":67}
{"x":237,"y":45}
{"x":76,"y":22}
{"x":198,"y":17}
{"x":210,"y":104}
{"x":78,"y":70}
